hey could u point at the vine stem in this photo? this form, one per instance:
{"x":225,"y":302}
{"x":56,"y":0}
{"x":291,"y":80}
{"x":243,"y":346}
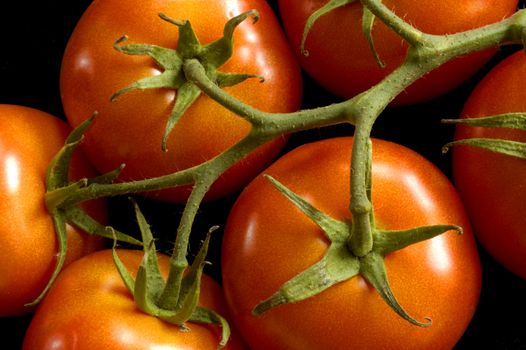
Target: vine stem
{"x":271,"y":125}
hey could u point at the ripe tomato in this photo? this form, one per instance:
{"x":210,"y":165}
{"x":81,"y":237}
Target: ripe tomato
{"x":491,"y":184}
{"x":29,"y":139}
{"x":340,"y":58}
{"x":268,"y":241}
{"x":130,"y":129}
{"x":90,"y":308}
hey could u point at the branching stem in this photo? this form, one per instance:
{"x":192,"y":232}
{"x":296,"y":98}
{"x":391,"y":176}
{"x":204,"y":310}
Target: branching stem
{"x":426,"y":52}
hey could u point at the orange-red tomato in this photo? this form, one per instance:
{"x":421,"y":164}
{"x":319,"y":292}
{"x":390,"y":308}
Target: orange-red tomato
{"x":130,"y":130}
{"x":340,"y":58}
{"x":268,"y":241}
{"x":29,"y":139}
{"x":493,"y":185}
{"x":90,"y":308}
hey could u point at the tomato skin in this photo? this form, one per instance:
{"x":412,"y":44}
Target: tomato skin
{"x":340,"y":58}
{"x":492,"y":185}
{"x":130,"y":130}
{"x":90,"y":308}
{"x":29,"y":138}
{"x":268,"y":241}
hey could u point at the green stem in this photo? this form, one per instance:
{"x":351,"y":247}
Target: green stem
{"x":412,"y":35}
{"x":360,"y":241}
{"x":274,"y":124}
{"x":270,"y":124}
{"x":96,"y":190}
{"x":369,"y":106}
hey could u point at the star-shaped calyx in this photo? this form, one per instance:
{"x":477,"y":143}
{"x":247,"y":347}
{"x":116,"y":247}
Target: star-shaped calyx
{"x":171,"y":61}
{"x":339,"y":262}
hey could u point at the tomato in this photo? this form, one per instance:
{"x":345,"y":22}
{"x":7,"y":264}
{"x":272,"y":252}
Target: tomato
{"x":29,"y":138}
{"x":340,"y":58}
{"x":492,"y":184}
{"x":90,"y":308}
{"x":130,"y":129}
{"x":268,"y":241}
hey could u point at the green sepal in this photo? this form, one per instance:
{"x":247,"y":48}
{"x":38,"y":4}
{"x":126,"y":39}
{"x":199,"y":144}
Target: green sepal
{"x":126,"y":277}
{"x":507,"y":120}
{"x":506,"y":147}
{"x":328,"y":7}
{"x":187,"y":94}
{"x":189,"y":45}
{"x":368,"y":19}
{"x":337,"y":265}
{"x":61,"y":234}
{"x":57,"y":174}
{"x":386,"y":241}
{"x":85,"y":222}
{"x":166,"y":58}
{"x":145,"y":293}
{"x":372,"y":268}
{"x":333,"y":229}
{"x":169,"y":79}
{"x":107,"y":178}
{"x":231,"y":79}
{"x":207,"y":316}
{"x":215,"y":54}
{"x":149,"y":265}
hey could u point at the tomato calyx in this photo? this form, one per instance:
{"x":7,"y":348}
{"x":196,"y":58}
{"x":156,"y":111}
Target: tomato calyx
{"x":175,"y":300}
{"x":508,"y":147}
{"x":171,"y":61}
{"x":59,"y":188}
{"x":340,"y":263}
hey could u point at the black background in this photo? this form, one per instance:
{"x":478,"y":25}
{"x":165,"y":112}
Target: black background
{"x":33,"y":36}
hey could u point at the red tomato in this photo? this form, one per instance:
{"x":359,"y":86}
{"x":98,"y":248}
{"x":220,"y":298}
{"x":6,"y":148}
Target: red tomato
{"x":492,"y":185}
{"x":28,"y":140}
{"x":90,"y":308}
{"x":340,"y":58}
{"x":130,"y":130}
{"x":268,"y":241}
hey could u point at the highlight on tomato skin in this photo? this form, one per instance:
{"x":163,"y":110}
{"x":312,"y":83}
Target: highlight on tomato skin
{"x":268,"y":241}
{"x":340,"y":59}
{"x":29,"y":139}
{"x":101,"y":314}
{"x":492,"y":184}
{"x":130,"y":129}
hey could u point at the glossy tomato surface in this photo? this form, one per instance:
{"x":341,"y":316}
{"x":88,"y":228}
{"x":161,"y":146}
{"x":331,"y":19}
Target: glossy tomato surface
{"x":268,"y":241}
{"x":340,"y":58}
{"x":493,"y":185}
{"x":29,"y":138}
{"x":130,"y":130}
{"x":90,"y":308}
